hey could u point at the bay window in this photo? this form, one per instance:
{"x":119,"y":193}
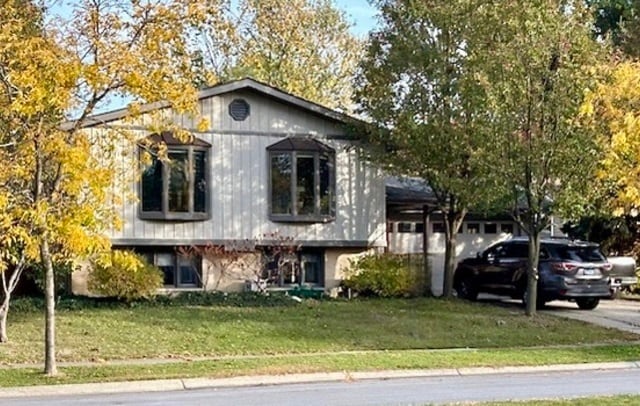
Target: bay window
{"x":301,"y":181}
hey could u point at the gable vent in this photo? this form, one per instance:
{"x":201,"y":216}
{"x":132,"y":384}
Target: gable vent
{"x":239,"y":109}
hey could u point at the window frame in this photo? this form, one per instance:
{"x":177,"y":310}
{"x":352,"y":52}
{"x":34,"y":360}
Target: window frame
{"x":490,"y":228}
{"x":405,"y":227}
{"x":316,"y":153}
{"x":296,"y":274}
{"x":165,"y":213}
{"x":152,"y":256}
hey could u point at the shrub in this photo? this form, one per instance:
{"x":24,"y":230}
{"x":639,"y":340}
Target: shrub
{"x":62,"y":271}
{"x":124,"y":275}
{"x":383,"y":275}
{"x":181,"y":299}
{"x":234,"y":299}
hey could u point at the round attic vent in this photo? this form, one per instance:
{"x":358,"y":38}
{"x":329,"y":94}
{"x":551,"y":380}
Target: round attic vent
{"x":239,"y":109}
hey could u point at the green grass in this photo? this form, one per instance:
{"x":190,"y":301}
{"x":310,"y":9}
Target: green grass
{"x":397,"y":334}
{"x":308,"y":363}
{"x":600,"y":401}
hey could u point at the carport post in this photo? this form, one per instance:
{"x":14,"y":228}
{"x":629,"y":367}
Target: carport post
{"x":425,"y":250}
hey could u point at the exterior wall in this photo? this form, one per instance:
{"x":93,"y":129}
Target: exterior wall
{"x":468,"y":244}
{"x":238,"y":182}
{"x":79,"y":280}
{"x":230,"y":278}
{"x":235,"y":278}
{"x":336,"y":262}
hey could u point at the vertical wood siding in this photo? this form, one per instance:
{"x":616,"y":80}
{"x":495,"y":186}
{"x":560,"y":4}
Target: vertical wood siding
{"x":239,"y":174}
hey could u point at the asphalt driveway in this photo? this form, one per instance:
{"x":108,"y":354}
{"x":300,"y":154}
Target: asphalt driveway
{"x":620,"y":314}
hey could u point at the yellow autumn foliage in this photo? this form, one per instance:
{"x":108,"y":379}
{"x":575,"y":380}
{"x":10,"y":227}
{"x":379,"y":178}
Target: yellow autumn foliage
{"x":56,"y":181}
{"x":614,"y":107}
{"x":124,"y":275}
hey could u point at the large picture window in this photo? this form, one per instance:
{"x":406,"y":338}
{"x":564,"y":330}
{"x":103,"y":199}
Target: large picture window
{"x":175,"y":187}
{"x":301,"y":180}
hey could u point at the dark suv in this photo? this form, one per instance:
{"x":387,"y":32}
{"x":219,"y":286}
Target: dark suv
{"x":568,"y":270}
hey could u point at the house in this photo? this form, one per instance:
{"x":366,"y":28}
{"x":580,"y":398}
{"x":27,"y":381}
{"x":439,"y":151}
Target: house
{"x":270,"y":167}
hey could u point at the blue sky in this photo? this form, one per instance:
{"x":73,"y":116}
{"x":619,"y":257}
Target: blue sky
{"x":360,"y":13}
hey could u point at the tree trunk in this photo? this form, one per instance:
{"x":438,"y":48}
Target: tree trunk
{"x":4,"y":311}
{"x":50,"y":367}
{"x":449,"y":264}
{"x":7,"y":289}
{"x":531,"y":298}
{"x":453,"y":220}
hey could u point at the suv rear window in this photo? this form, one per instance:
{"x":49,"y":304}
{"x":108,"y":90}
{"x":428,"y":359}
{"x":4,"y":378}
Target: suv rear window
{"x":581,"y":254}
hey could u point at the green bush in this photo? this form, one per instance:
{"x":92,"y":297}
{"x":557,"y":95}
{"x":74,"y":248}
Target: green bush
{"x":124,"y":275}
{"x":234,"y":299}
{"x":181,"y":299}
{"x":383,"y":275}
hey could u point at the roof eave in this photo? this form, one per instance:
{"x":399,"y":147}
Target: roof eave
{"x":241,"y":84}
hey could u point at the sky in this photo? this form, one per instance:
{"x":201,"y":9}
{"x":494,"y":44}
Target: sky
{"x":360,"y":13}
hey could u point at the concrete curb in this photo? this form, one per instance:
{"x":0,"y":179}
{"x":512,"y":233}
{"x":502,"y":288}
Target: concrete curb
{"x":266,"y":380}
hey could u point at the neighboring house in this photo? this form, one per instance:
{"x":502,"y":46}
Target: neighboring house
{"x":270,"y":165}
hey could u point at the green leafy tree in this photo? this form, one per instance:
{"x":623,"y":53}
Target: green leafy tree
{"x":618,"y":20}
{"x":301,"y":46}
{"x":429,"y":117}
{"x":543,"y":66}
{"x":609,"y":16}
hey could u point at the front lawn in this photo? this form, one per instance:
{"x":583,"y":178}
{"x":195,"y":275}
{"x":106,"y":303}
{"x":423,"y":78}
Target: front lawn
{"x":304,"y":337}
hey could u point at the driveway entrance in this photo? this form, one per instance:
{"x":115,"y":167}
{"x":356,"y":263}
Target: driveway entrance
{"x":619,"y":314}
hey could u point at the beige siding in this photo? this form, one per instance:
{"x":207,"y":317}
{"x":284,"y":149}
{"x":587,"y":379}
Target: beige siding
{"x":239,"y":175}
{"x":267,"y":115}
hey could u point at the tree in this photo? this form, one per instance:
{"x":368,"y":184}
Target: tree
{"x":420,"y":90}
{"x":618,"y":20}
{"x":58,"y":190}
{"x":609,"y":16}
{"x":301,"y":46}
{"x":543,"y":67}
{"x":20,"y":118}
{"x":611,"y":108}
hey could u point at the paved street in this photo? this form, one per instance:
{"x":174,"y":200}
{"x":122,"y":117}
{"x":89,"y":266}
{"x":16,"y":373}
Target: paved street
{"x":404,"y":391}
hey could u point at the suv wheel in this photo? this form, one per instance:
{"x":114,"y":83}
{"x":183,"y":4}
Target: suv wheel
{"x":466,"y":289}
{"x":588,"y":303}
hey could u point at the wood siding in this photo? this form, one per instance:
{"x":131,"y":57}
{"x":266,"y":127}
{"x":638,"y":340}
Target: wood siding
{"x":238,"y":177}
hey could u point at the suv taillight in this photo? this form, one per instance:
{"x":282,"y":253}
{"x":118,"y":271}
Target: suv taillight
{"x":607,"y":267}
{"x":563,"y":267}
